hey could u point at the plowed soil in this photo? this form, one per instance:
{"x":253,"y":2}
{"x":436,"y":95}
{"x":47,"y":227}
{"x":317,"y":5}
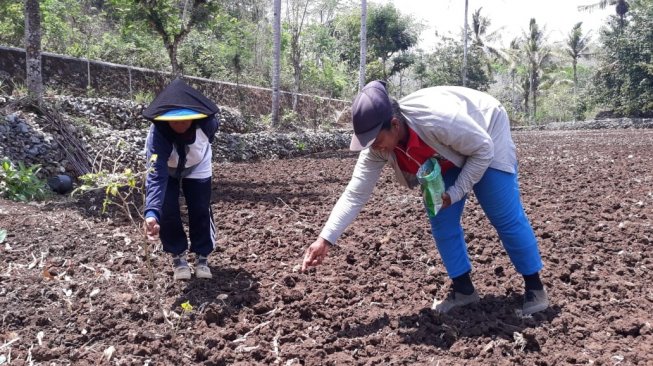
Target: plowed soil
{"x":75,"y":287}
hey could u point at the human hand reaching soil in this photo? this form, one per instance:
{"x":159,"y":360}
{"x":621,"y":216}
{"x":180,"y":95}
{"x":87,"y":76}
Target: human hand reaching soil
{"x":315,"y":253}
{"x":151,"y":227}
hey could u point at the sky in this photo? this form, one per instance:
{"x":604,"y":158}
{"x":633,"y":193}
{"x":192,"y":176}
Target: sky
{"x":447,"y":16}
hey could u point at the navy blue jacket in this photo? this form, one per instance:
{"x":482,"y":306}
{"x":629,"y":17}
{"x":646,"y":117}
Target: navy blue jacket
{"x":165,"y":144}
{"x":186,"y":155}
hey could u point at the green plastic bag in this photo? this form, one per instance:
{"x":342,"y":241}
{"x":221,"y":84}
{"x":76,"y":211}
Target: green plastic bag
{"x":432,"y":186}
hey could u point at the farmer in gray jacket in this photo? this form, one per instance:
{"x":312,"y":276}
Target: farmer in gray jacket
{"x":469,"y":133}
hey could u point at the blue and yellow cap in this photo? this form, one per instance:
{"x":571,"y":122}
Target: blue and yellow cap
{"x":181,"y":114}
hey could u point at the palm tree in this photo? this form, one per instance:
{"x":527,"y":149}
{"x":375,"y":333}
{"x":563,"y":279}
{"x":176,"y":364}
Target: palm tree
{"x":296,"y":13}
{"x":538,"y":55}
{"x":621,"y":7}
{"x":361,"y":72}
{"x":33,"y":50}
{"x":479,"y":26}
{"x":464,"y":71}
{"x":515,"y":57}
{"x":483,"y":40}
{"x":577,"y":45}
{"x":276,"y":67}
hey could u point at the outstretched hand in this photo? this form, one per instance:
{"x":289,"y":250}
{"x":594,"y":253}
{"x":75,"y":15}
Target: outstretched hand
{"x":315,"y":253}
{"x":152,"y":228}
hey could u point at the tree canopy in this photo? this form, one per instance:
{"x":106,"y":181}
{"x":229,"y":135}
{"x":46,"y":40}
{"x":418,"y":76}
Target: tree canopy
{"x":232,"y":41}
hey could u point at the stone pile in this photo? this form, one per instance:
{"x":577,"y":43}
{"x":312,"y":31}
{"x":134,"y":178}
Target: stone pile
{"x":113,"y":133}
{"x":609,"y":123}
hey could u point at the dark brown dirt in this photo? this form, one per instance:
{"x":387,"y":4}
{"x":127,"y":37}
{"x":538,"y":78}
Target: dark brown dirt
{"x":74,"y":285}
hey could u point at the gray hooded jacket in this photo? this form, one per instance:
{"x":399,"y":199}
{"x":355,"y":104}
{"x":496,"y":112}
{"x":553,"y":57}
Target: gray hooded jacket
{"x":467,"y":127}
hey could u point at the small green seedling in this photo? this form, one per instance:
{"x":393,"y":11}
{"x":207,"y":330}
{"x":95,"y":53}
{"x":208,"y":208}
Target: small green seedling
{"x":186,"y":308}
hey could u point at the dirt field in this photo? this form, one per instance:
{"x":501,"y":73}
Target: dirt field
{"x":74,"y":288}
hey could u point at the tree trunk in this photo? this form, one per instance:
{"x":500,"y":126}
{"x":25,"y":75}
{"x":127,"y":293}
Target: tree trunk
{"x":296,"y":19}
{"x":464,"y":71}
{"x":276,"y":64}
{"x":295,"y":56}
{"x":361,"y":71}
{"x":297,"y":71}
{"x":527,"y":93}
{"x":574,"y":64}
{"x":33,"y":50}
{"x":622,"y":9}
{"x":530,"y":91}
{"x":172,"y":53}
{"x":513,"y":97}
{"x":534,"y":96}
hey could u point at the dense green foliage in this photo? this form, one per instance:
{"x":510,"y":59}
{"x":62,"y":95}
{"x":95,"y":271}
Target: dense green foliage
{"x":624,"y":78}
{"x":444,"y":66}
{"x":12,"y":25}
{"x":20,"y":182}
{"x":537,"y":80}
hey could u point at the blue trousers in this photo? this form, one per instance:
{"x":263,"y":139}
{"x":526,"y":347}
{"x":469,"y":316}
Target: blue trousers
{"x":200,"y":217}
{"x":498,"y":194}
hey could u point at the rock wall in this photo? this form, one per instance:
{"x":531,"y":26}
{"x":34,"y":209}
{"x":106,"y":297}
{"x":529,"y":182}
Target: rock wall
{"x":78,"y":76}
{"x":113,"y":134}
{"x":614,"y":123}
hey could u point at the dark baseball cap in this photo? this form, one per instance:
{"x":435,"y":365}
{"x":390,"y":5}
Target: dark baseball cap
{"x":369,"y":111}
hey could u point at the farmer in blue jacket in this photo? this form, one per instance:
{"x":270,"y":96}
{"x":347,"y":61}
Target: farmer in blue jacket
{"x":179,"y":158}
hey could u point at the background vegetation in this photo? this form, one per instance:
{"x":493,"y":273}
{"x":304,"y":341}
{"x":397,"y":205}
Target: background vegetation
{"x":539,"y":81}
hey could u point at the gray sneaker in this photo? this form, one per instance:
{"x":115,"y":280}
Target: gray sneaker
{"x":534,"y":301}
{"x":180,"y":268}
{"x":202,"y":269}
{"x":454,"y":299}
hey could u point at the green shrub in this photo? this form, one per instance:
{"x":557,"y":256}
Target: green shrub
{"x":143,"y":97}
{"x":20,"y":183}
{"x":266,"y":120}
{"x":300,"y":145}
{"x":5,"y":87}
{"x":20,"y":90}
{"x":123,"y":189}
{"x":290,"y":121}
{"x":120,"y":189}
